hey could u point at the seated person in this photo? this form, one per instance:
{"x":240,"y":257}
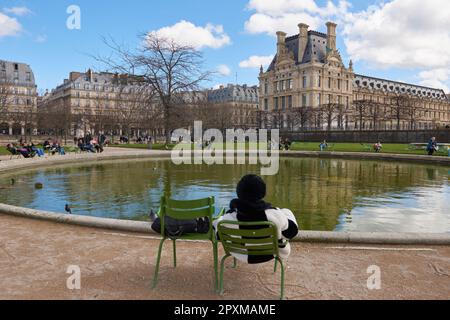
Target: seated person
{"x":89,"y":148}
{"x":323,"y":145}
{"x":251,"y":207}
{"x":80,"y":144}
{"x":33,"y":149}
{"x":12,"y":149}
{"x":22,"y":151}
{"x":46,"y":145}
{"x":378,"y":146}
{"x":287,"y":145}
{"x":99,"y":148}
{"x":56,"y":148}
{"x":96,"y":146}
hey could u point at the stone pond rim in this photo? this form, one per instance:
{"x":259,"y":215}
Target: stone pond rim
{"x":144,"y":227}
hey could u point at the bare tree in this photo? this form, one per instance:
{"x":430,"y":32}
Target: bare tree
{"x":399,"y":105}
{"x":5,"y":96}
{"x":162,"y":66}
{"x":360,"y":108}
{"x":331,"y":113}
{"x":413,"y":112}
{"x":376,"y":112}
{"x":277,"y":119}
{"x":5,"y":101}
{"x":300,"y":117}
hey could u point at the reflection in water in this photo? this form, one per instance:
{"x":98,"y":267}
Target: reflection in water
{"x":327,"y":195}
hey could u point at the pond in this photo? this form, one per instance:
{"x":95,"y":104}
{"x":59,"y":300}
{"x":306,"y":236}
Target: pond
{"x":324,"y":194}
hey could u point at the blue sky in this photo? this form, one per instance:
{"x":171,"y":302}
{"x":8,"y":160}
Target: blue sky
{"x":228,"y":33}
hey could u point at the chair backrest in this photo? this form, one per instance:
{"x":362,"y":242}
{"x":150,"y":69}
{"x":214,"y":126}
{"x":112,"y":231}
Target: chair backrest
{"x":13,"y":151}
{"x":187,"y":210}
{"x":249,"y":238}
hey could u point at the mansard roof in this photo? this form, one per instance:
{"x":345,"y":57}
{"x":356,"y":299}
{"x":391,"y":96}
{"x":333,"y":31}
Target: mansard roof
{"x":17,"y":72}
{"x":384,"y":85}
{"x":233,"y":92}
{"x":316,"y":47}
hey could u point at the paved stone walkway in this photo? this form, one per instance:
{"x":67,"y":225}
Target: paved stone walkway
{"x":35,"y":255}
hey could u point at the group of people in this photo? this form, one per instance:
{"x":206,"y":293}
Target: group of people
{"x":91,"y":145}
{"x":53,"y":147}
{"x":286,"y":145}
{"x":378,"y":147}
{"x":25,"y":150}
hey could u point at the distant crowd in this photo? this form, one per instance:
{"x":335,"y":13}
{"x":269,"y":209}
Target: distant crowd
{"x":91,"y":145}
{"x":53,"y":147}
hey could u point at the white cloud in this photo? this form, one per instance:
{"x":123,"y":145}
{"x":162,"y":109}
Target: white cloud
{"x":256,"y":62}
{"x":405,"y":34}
{"x":41,"y":38}
{"x":401,"y":33}
{"x":18,"y":11}
{"x":437,"y":78}
{"x":186,"y":33}
{"x":409,"y":34}
{"x":9,"y":26}
{"x":284,"y":15}
{"x":223,"y":70}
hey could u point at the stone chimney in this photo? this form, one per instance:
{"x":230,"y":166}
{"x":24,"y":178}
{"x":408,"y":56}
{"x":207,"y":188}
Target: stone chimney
{"x":331,"y":36}
{"x":281,"y":42}
{"x":89,"y":74}
{"x":74,"y":76}
{"x":302,"y":40}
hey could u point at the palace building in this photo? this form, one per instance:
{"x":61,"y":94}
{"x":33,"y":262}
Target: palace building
{"x":18,"y":99}
{"x":241,"y":100}
{"x":98,"y":102}
{"x":308,"y":86}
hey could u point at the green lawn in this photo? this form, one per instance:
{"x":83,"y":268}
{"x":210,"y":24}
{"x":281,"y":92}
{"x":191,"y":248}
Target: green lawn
{"x":303,"y":146}
{"x":314,"y":146}
{"x":158,"y":146}
{"x":358,"y":147}
{"x":3,"y":151}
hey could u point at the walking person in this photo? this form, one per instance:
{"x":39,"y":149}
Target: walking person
{"x":432,"y":146}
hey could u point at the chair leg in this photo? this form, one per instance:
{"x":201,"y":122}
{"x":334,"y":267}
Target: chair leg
{"x":282,"y":279}
{"x":175,"y":253}
{"x":234,"y":263}
{"x":216,"y":267}
{"x":222,"y":267}
{"x":158,"y":260}
{"x":275,"y":266}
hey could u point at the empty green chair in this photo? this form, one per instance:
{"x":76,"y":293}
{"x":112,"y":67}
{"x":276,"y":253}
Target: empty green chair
{"x":250,"y":239}
{"x":187,"y":210}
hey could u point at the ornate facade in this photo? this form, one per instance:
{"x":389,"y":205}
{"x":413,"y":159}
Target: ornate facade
{"x":307,"y":85}
{"x":98,"y":102}
{"x":241,"y":100}
{"x":18,"y":99}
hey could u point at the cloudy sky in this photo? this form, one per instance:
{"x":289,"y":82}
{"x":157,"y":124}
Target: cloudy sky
{"x":403,"y":40}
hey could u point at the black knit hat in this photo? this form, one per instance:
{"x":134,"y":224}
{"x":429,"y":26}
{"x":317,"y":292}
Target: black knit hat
{"x":251,"y":188}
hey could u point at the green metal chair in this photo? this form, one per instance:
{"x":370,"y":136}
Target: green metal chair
{"x":188,"y":210}
{"x":367,"y":147}
{"x":72,"y":149}
{"x":256,"y":239}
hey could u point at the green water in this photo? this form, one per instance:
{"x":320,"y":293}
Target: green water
{"x":340,"y":195}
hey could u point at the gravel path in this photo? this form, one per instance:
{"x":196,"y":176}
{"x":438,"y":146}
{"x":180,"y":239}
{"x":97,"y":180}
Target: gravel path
{"x":35,"y":255}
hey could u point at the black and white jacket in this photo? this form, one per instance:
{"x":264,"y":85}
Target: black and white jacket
{"x":286,"y":224}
